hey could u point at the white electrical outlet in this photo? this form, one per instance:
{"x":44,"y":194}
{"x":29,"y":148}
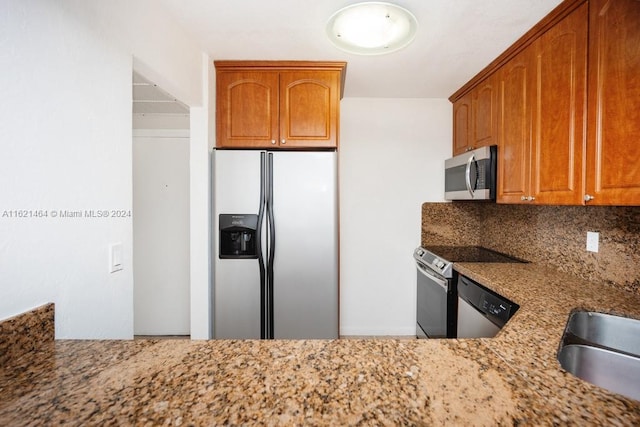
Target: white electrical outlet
{"x":593,"y":241}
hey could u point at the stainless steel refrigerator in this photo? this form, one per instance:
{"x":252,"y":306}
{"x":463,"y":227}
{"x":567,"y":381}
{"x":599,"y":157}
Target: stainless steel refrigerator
{"x":275,"y":244}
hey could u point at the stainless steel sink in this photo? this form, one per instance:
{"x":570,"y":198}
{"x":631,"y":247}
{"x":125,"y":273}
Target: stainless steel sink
{"x":614,"y":371}
{"x":614,"y":332}
{"x":604,"y":350}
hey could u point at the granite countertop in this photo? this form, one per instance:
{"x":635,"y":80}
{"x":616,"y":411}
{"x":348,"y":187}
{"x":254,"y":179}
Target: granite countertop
{"x":513,"y":378}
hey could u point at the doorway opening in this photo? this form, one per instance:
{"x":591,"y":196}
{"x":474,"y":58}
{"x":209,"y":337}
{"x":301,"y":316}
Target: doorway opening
{"x":161,"y":259}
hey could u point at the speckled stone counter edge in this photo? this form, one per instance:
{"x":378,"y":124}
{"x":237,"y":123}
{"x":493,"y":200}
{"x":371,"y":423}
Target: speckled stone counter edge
{"x":27,"y":334}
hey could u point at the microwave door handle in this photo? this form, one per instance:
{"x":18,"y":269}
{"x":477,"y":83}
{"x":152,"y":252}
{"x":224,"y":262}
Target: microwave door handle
{"x":467,"y":174}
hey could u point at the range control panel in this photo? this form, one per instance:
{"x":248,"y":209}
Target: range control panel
{"x":437,"y":264}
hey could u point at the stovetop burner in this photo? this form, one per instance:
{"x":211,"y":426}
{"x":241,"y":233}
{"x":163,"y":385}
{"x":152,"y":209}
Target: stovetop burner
{"x":441,"y":258}
{"x":469,"y":254}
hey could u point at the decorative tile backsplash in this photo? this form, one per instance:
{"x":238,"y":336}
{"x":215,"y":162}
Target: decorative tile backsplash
{"x":555,"y":235}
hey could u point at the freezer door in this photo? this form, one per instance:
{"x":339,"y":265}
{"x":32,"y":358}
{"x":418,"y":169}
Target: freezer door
{"x":305,"y":207}
{"x":236,"y":282}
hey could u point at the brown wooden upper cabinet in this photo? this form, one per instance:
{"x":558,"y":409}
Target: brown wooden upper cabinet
{"x":462,"y":139}
{"x":276,"y":104}
{"x":567,"y":130}
{"x":542,"y":117}
{"x":613,"y":142}
{"x":475,"y":117}
{"x":516,"y":83}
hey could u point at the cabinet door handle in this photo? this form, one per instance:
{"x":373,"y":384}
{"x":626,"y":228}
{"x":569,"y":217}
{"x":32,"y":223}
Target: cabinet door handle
{"x":531,"y":198}
{"x":273,"y":142}
{"x":523,"y":198}
{"x":588,"y":197}
{"x":283,"y":141}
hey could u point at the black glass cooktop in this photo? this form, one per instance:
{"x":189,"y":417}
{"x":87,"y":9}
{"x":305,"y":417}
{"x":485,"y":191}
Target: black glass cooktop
{"x":470,"y":254}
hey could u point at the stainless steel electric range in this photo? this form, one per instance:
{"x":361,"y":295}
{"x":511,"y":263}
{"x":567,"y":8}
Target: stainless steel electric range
{"x":436,"y":285}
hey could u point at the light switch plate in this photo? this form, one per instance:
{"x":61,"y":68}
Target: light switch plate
{"x":593,"y":241}
{"x":115,"y":257}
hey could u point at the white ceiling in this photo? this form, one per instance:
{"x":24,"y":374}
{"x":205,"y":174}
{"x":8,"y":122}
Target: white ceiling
{"x":455,"y":40}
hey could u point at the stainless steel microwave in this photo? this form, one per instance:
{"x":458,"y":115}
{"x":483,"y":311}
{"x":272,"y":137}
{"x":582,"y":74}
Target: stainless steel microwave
{"x":472,"y":175}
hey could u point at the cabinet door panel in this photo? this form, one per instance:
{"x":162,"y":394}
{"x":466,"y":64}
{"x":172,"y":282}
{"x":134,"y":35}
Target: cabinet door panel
{"x":613,"y":168}
{"x":247,"y":109}
{"x":308,"y":103}
{"x":309,"y":108}
{"x":485,"y":99}
{"x":559,"y":111}
{"x":514,"y":133}
{"x":462,"y":124}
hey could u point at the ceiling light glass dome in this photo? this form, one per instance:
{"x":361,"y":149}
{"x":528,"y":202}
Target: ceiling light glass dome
{"x":372,"y":28}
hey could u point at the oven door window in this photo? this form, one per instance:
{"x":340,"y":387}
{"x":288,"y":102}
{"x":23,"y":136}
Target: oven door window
{"x":432,"y":303}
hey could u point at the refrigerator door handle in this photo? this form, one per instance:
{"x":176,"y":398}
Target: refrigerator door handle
{"x":271,"y":246}
{"x":261,"y":263}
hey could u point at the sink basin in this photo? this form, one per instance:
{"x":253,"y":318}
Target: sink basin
{"x":604,"y":350}
{"x":614,"y":332}
{"x":614,"y":371}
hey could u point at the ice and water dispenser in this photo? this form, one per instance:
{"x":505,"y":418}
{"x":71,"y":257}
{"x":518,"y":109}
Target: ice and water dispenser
{"x":238,"y":236}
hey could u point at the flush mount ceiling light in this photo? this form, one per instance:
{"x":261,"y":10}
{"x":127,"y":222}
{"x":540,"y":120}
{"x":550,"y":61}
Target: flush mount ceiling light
{"x":372,"y":28}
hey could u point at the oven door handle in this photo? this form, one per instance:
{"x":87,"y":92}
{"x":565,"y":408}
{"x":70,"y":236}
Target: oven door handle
{"x":443,"y":283}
